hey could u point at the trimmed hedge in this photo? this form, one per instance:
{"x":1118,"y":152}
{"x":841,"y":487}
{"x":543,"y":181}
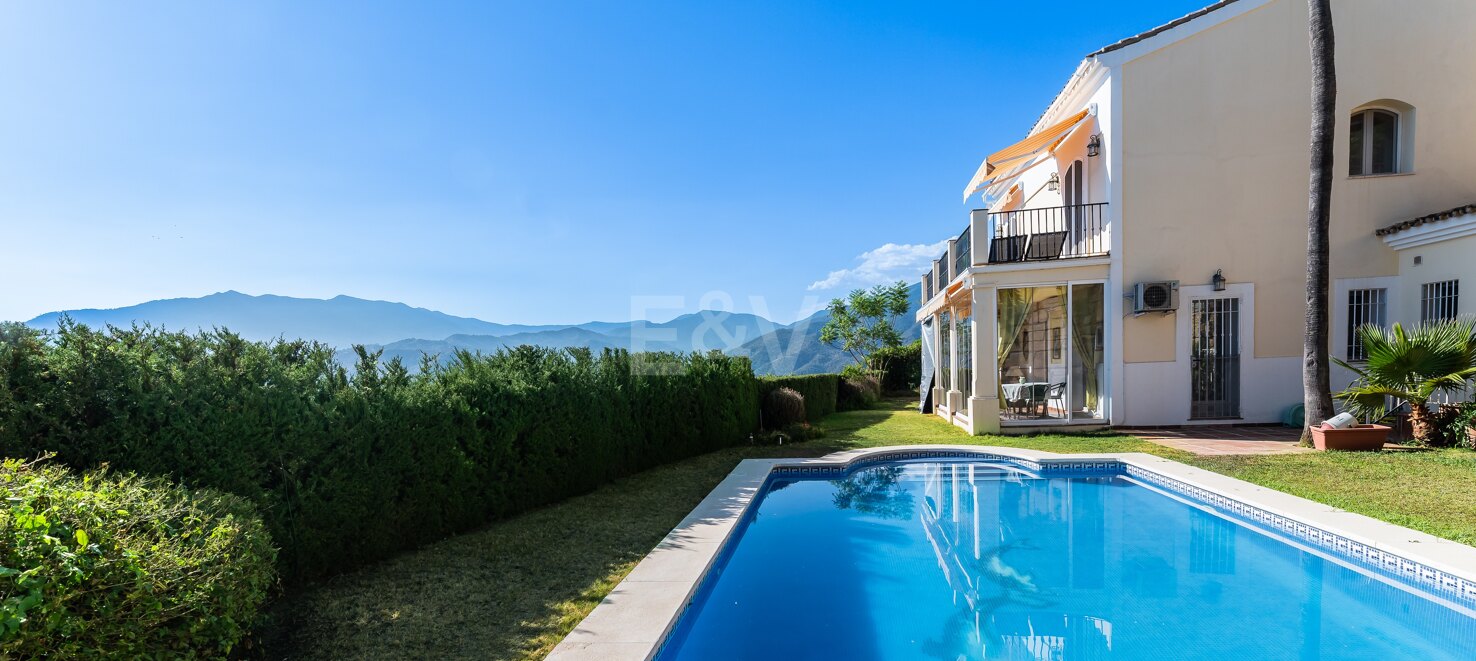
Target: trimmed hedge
{"x":349,"y":468}
{"x":904,"y":367}
{"x":819,"y":391}
{"x":857,"y":393}
{"x":113,"y":566}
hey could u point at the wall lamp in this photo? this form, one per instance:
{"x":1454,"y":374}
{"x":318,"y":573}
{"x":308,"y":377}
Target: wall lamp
{"x":1094,"y":145}
{"x":1218,"y":280}
{"x":1054,"y":183}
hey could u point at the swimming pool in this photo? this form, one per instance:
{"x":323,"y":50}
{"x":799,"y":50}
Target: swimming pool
{"x":984,"y":558}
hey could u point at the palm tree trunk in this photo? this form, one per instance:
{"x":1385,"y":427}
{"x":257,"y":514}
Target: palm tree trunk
{"x":1420,"y":425}
{"x":1316,"y":391}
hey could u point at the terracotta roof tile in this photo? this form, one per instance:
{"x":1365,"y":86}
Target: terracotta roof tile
{"x":1429,"y":218}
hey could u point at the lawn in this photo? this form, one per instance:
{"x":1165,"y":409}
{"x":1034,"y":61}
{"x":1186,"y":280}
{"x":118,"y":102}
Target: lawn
{"x":512,"y":590}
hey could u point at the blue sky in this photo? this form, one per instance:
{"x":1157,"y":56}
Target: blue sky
{"x":535,"y":162}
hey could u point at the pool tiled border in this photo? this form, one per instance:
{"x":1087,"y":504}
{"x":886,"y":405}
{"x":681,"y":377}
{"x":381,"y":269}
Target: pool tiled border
{"x":633,"y":620}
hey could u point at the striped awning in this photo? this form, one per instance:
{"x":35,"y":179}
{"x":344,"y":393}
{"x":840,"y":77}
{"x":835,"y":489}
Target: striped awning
{"x":1018,"y":157}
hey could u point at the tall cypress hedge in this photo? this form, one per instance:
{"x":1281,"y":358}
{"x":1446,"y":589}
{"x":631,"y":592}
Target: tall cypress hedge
{"x":351,"y":466}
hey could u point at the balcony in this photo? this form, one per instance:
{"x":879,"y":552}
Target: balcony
{"x":1021,"y":236}
{"x":1028,"y":235}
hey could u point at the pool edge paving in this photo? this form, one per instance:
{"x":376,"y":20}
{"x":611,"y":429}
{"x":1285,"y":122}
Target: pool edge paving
{"x":633,"y":621}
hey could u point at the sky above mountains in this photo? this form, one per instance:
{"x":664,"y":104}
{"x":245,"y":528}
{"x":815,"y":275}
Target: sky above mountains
{"x":533,"y":162}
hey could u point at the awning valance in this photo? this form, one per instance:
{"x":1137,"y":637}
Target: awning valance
{"x":1014,"y":157}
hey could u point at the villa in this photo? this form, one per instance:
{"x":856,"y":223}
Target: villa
{"x":1140,"y":258}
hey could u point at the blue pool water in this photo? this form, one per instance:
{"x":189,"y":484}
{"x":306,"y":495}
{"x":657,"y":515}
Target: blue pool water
{"x":975,"y":560}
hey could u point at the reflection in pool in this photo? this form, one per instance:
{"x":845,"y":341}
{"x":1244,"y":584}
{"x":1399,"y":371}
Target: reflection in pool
{"x":978,"y":560}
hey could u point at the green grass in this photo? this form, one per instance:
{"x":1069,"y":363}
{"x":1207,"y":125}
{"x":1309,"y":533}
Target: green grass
{"x":1433,"y":491}
{"x":514,"y":589}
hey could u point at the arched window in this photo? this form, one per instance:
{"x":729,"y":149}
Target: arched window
{"x":1373,"y":142}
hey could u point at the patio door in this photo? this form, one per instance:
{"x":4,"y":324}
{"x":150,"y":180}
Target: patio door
{"x":1052,"y":363}
{"x":1214,"y":358}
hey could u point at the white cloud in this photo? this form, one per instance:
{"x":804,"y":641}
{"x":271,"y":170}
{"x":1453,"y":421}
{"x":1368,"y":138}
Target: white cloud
{"x":888,"y":263}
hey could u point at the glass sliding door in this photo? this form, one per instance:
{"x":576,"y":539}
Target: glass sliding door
{"x":965,"y":376}
{"x":1052,"y":352}
{"x":1032,"y":353}
{"x":1087,"y":351}
{"x":945,"y":354}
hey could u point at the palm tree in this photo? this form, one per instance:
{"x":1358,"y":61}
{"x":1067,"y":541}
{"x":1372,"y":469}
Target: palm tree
{"x":1316,"y":388}
{"x":1411,"y":367}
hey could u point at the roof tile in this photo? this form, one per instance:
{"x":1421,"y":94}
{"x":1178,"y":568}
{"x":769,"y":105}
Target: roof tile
{"x":1428,"y":218}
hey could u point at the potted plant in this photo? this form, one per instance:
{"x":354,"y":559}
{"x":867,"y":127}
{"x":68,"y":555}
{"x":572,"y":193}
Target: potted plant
{"x":1354,"y":438}
{"x":1410,"y":367}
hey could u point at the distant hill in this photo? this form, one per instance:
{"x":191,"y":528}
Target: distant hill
{"x":408,"y":332}
{"x":797,"y":349}
{"x":700,"y":331}
{"x":340,"y":321}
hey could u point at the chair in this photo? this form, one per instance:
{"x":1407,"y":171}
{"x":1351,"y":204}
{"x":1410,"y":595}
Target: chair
{"x":1046,"y":245}
{"x":1007,"y":249}
{"x":1057,"y":394}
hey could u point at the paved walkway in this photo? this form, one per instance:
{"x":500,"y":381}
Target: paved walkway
{"x":1225,"y":439}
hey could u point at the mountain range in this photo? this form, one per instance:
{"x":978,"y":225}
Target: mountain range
{"x":400,"y":330}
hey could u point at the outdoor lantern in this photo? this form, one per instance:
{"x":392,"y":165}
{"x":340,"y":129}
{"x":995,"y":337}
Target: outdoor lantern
{"x":1094,"y":145}
{"x":1218,"y":280}
{"x":1054,"y":183}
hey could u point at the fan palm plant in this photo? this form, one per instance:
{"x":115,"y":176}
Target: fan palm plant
{"x":1411,"y":366}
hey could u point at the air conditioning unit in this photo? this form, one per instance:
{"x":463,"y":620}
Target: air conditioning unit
{"x":1156,"y":296}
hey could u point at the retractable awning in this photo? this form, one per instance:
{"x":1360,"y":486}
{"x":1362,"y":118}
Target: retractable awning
{"x":1017,"y":157}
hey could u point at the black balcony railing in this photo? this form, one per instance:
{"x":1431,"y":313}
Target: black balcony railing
{"x":965,"y":258}
{"x":1049,"y":233}
{"x":927,"y":286}
{"x":943,"y":277}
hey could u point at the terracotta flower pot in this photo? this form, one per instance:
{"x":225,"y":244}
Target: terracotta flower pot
{"x":1357,"y":437}
{"x":1471,"y":434}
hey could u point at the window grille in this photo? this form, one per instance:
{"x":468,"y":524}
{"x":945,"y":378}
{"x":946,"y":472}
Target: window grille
{"x":1365,"y":306}
{"x":1439,"y":300}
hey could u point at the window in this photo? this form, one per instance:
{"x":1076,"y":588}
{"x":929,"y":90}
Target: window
{"x":966,"y":353}
{"x":1438,"y":300}
{"x":945,"y":352}
{"x":1365,"y":306}
{"x":1373,"y":142}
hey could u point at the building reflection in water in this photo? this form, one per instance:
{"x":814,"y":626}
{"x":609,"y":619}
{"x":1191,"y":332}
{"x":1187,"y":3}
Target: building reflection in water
{"x":984,"y":524}
{"x":1092,"y":566}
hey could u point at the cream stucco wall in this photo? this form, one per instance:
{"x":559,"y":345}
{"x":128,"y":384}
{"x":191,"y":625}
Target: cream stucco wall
{"x":1214,"y":133}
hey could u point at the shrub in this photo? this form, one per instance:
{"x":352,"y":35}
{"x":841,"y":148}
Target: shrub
{"x":804,"y":431}
{"x":798,"y":432}
{"x":119,"y":566}
{"x":1459,"y":420}
{"x":858,"y":393}
{"x":352,"y":466}
{"x":783,"y":407}
{"x":819,"y":391}
{"x":1411,"y":366}
{"x":903,"y":371}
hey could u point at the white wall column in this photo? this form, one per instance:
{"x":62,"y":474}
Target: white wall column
{"x":984,"y":403}
{"x":979,"y":236}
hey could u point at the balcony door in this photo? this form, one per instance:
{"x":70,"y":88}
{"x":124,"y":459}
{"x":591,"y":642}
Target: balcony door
{"x":1072,"y":198}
